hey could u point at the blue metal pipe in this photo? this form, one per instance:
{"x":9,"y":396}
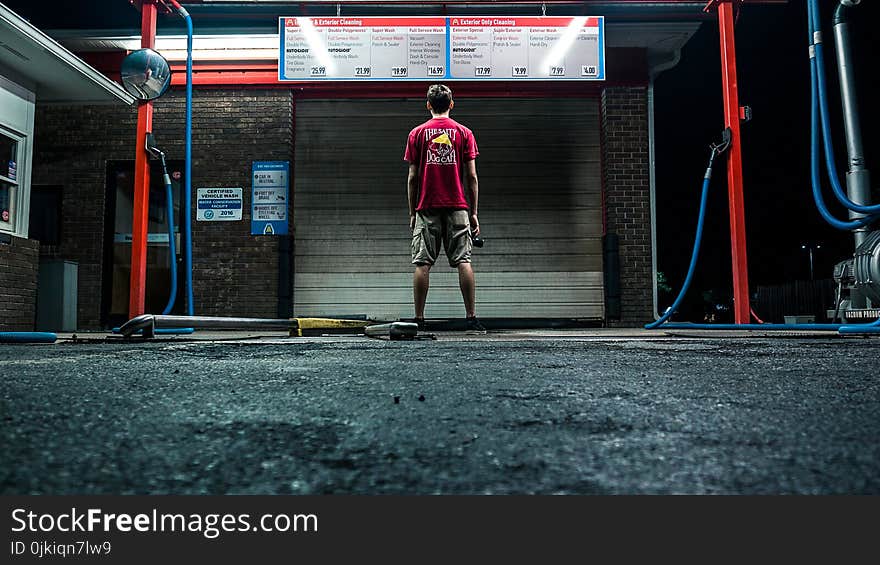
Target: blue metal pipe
{"x":188,"y":261}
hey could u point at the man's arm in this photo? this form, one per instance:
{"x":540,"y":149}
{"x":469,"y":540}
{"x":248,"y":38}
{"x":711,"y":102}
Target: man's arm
{"x":412,"y":192}
{"x":473,"y":192}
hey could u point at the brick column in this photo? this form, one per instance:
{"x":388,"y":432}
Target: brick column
{"x":18,"y":284}
{"x":626,"y":196}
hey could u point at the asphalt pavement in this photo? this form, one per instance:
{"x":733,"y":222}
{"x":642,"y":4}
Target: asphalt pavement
{"x":552,"y":412}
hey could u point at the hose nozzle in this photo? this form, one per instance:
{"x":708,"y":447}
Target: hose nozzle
{"x":719,"y":148}
{"x":152,"y":148}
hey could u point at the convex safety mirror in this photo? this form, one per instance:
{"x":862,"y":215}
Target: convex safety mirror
{"x":146,"y":75}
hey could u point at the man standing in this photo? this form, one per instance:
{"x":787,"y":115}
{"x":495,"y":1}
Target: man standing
{"x":440,"y":152}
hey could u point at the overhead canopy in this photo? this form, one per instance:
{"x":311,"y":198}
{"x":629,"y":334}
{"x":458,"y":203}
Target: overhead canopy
{"x":658,"y":36}
{"x":32,"y":58}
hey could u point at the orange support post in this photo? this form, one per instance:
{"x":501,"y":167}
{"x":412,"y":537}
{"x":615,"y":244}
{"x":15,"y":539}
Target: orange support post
{"x":140,"y":221}
{"x":736,"y":202}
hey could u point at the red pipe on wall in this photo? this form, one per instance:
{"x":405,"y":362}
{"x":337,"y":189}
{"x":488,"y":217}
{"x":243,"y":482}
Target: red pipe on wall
{"x":141,"y":204}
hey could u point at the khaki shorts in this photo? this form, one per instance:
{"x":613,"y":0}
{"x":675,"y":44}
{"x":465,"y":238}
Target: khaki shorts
{"x":452,"y":227}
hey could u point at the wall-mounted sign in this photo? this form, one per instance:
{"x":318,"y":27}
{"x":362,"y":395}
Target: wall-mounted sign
{"x":271,"y":193}
{"x":218,"y":204}
{"x":457,"y":48}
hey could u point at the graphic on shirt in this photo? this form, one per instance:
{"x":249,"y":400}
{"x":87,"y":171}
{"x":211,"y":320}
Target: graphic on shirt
{"x":440,"y":148}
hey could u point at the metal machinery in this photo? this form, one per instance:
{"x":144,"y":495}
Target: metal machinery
{"x":858,"y":277}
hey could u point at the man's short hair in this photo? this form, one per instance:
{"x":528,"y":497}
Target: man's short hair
{"x":439,"y":97}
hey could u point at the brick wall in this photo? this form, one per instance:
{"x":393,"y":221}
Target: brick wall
{"x":18,"y":284}
{"x":234,"y":273}
{"x":72,"y":145}
{"x":626,"y":196}
{"x":231,"y":129}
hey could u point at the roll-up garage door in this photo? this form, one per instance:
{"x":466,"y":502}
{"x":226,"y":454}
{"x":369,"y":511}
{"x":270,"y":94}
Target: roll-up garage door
{"x":540,"y":210}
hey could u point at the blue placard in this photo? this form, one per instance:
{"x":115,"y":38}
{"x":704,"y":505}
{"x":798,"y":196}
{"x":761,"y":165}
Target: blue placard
{"x":270,"y":197}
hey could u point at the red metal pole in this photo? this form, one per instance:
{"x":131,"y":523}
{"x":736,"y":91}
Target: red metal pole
{"x":137,"y":288}
{"x":734,"y":164}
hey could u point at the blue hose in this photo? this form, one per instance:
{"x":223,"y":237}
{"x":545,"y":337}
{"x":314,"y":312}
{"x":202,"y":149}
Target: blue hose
{"x":27,"y":337}
{"x":696,"y":252}
{"x":172,"y":247}
{"x":817,"y":64}
{"x":814,"y":168}
{"x":662,"y":321}
{"x":813,"y":327}
{"x":872,"y":328}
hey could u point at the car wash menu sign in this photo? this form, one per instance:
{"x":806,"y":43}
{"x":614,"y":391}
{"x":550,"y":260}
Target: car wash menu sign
{"x":362,"y":48}
{"x":459,"y":48}
{"x":271,"y":193}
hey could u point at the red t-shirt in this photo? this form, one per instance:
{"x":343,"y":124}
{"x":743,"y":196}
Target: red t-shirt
{"x":440,"y":148}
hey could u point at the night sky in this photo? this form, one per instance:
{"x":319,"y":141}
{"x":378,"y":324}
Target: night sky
{"x":774,"y":79}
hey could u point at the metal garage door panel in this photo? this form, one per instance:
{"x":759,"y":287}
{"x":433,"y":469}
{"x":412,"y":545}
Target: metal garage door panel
{"x":379,"y":294}
{"x":540,"y":210}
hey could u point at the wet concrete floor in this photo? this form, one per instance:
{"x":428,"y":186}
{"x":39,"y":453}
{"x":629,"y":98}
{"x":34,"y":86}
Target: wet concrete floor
{"x":567,"y":412}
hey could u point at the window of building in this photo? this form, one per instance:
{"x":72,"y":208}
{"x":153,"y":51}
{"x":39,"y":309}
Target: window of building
{"x":10,"y":159}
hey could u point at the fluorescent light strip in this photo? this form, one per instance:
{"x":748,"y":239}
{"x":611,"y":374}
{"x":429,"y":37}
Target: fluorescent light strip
{"x":205,"y":48}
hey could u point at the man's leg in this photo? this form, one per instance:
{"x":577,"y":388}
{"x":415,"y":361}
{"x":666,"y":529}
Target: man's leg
{"x":468,"y":288}
{"x":457,"y":240}
{"x":420,"y":289}
{"x":425,"y":245}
